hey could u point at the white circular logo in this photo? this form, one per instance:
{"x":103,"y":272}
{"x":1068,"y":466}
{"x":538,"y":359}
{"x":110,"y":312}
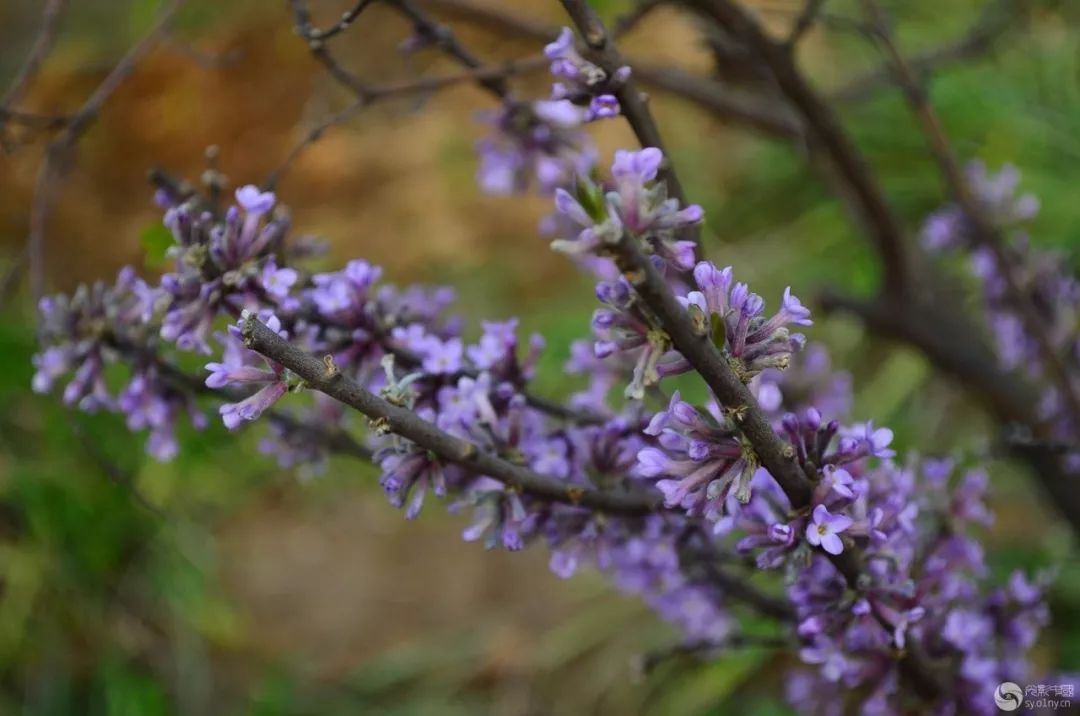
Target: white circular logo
{"x":1008,"y":696}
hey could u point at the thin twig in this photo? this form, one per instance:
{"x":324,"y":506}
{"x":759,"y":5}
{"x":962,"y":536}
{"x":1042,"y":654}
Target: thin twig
{"x":43,"y":43}
{"x":406,"y":423}
{"x":314,"y":34}
{"x":827,"y":135}
{"x":50,"y":170}
{"x":995,"y":19}
{"x":633,"y":17}
{"x":422,"y":85}
{"x":427,"y":27}
{"x":806,"y":19}
{"x":708,"y":649}
{"x":607,"y":56}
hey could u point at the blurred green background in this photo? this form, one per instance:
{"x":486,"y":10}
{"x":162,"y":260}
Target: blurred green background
{"x":219,"y":584}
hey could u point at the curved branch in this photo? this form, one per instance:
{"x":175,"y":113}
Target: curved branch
{"x":775,"y":455}
{"x":406,"y":423}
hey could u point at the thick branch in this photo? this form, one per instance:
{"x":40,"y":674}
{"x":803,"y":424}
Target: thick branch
{"x":775,"y":455}
{"x":447,"y":447}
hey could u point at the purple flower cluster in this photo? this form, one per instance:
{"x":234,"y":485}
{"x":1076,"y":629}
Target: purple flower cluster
{"x":921,"y":581}
{"x":100,"y":325}
{"x":581,"y":82}
{"x":540,"y":142}
{"x":926,"y":585}
{"x":922,"y":566}
{"x":1042,"y":277}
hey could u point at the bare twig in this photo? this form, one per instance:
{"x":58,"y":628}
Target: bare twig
{"x":50,"y":170}
{"x":33,"y":119}
{"x":992,"y":23}
{"x":427,"y":27}
{"x":707,"y":649}
{"x":321,"y":51}
{"x":447,"y":447}
{"x":633,"y":17}
{"x":983,"y":230}
{"x":827,"y":136}
{"x":43,"y":43}
{"x":805,"y":20}
{"x":760,"y":114}
{"x":422,"y":85}
{"x":314,"y":34}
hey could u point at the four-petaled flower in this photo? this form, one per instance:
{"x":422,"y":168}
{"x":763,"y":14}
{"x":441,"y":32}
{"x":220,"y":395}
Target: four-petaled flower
{"x":825,"y":528}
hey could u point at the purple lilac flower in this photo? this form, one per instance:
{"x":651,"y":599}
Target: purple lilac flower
{"x":240,"y":367}
{"x":824,"y":531}
{"x":581,"y":82}
{"x":621,"y":328}
{"x":539,"y":143}
{"x":756,"y":343}
{"x":635,"y":204}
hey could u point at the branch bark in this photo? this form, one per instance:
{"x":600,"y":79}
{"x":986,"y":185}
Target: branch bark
{"x":607,"y":56}
{"x":447,"y":447}
{"x":775,"y":455}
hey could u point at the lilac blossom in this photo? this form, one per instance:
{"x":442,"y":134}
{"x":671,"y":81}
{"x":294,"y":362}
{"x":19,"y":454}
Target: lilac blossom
{"x":582,"y":82}
{"x":825,"y":529}
{"x":633,"y":203}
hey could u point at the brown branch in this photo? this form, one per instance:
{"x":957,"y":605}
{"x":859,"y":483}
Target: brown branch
{"x":606,"y":55}
{"x":423,"y":85}
{"x":50,"y":170}
{"x":314,"y":34}
{"x":758,"y":114}
{"x":805,"y":20}
{"x":406,"y":423}
{"x":321,"y":51}
{"x":827,"y":136}
{"x":983,"y":230}
{"x":774,"y":454}
{"x":429,"y":28}
{"x":747,"y":110}
{"x":983,"y":36}
{"x":633,"y":17}
{"x":43,"y":43}
{"x":949,"y":343}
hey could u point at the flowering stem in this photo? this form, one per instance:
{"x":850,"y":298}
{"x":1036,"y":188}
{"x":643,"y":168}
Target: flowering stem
{"x":607,"y":57}
{"x":775,"y":455}
{"x":406,"y":423}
